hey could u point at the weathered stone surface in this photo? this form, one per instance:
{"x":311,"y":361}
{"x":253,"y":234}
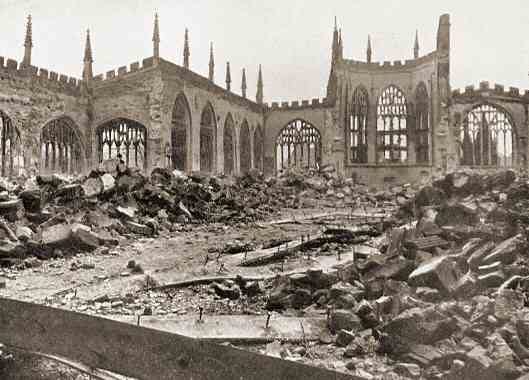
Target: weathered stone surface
{"x":438,"y":274}
{"x":505,"y":252}
{"x":57,"y":234}
{"x":344,"y":320}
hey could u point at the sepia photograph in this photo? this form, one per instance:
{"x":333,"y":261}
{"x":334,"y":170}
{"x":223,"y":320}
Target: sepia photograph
{"x":264,"y":190}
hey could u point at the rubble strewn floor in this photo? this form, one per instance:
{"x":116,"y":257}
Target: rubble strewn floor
{"x":413,"y":282}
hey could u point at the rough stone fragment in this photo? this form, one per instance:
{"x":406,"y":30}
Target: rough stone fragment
{"x":505,"y":252}
{"x":344,"y":320}
{"x":438,"y":274}
{"x":57,"y":234}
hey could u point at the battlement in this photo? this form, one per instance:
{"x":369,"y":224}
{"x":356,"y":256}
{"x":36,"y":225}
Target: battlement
{"x":125,"y":70}
{"x":486,"y":89}
{"x":389,"y":65}
{"x":296,"y":104}
{"x":45,"y":77}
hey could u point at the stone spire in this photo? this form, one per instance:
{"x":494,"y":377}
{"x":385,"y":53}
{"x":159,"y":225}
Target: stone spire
{"x":416,"y":46}
{"x":156,"y":38}
{"x":243,"y":83}
{"x":335,"y":43}
{"x":340,"y":44}
{"x":186,"y":50}
{"x":87,"y":68}
{"x":28,"y":43}
{"x":369,"y":50}
{"x":228,"y":77}
{"x":259,"y":95}
{"x":211,"y":64}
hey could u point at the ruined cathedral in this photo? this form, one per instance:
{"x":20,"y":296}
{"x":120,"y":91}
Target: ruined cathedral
{"x":381,"y":122}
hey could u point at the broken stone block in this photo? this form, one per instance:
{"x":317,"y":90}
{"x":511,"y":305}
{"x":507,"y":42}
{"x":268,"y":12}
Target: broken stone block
{"x":23,"y":233}
{"x":476,"y":257}
{"x":137,"y":228}
{"x":85,"y":237}
{"x":108,"y":182}
{"x":31,"y":200}
{"x":492,"y":280}
{"x":55,"y":235}
{"x":505,"y":252}
{"x":409,"y":370}
{"x":438,"y":274}
{"x":344,"y":337}
{"x":341,"y":319}
{"x":232,"y":292}
{"x":92,"y":187}
{"x":127,"y":212}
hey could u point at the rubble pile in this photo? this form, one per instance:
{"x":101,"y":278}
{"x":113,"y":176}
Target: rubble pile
{"x":446,"y":298}
{"x":53,"y":215}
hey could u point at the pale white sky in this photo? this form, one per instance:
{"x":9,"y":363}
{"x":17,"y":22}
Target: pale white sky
{"x":291,"y":39}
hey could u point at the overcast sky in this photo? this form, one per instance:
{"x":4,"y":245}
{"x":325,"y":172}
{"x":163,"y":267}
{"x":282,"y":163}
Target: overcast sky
{"x":291,"y":39}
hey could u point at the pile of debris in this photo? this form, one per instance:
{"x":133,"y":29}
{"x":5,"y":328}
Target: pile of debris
{"x":53,"y":215}
{"x":446,"y":298}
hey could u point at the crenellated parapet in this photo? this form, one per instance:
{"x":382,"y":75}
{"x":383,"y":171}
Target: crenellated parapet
{"x":296,"y":104}
{"x":485,"y":89}
{"x":124,"y":71}
{"x":386,"y":66}
{"x":11,"y":69}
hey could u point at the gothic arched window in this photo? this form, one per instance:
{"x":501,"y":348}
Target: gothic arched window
{"x":422,"y":124}
{"x":487,"y":137}
{"x":357,"y":126}
{"x":298,"y":145}
{"x":392,"y":133}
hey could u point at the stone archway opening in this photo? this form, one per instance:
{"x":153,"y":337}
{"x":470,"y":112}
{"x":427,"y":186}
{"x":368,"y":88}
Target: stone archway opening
{"x":125,"y":137}
{"x":229,"y":146}
{"x":258,"y":148}
{"x":487,"y":137}
{"x":208,"y":141}
{"x":11,"y":156}
{"x":245,"y":148}
{"x":180,"y":134}
{"x":298,"y":145}
{"x":61,"y":148}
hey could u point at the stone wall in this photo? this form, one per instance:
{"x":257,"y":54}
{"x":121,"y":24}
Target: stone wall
{"x":31,"y":98}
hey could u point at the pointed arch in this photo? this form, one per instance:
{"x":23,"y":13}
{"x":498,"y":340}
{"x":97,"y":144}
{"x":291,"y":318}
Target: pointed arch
{"x":488,"y":137}
{"x":298,"y":144}
{"x":181,"y":134}
{"x":11,"y":156}
{"x":61,"y":147}
{"x":229,"y":145}
{"x":258,"y":148}
{"x":245,"y":148}
{"x":392,"y":125}
{"x":124,"y":137}
{"x":422,"y":124}
{"x":356,"y":125}
{"x":208,"y":139}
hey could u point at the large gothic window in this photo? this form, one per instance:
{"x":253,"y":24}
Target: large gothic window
{"x":208,"y":133}
{"x":125,"y":137}
{"x":258,"y":149}
{"x":61,"y":148}
{"x":298,"y":145}
{"x":229,"y":143}
{"x":245,"y":148}
{"x":487,"y":137}
{"x":422,"y":124}
{"x":357,"y":126}
{"x":10,"y":147}
{"x":180,"y":134}
{"x":392,"y":134}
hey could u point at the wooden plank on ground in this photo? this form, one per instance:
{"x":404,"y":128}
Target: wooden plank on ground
{"x":235,"y":328}
{"x":139,"y":352}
